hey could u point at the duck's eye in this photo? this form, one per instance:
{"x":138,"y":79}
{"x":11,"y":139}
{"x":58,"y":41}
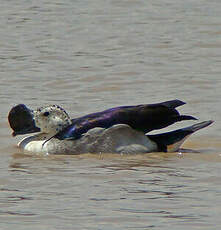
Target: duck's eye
{"x":46,"y":114}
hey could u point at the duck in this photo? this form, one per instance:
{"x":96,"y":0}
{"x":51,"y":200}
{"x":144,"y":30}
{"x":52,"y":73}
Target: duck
{"x":123,"y":129}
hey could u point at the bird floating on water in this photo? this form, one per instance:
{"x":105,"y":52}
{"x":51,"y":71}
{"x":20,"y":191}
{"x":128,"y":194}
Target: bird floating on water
{"x":121,"y":129}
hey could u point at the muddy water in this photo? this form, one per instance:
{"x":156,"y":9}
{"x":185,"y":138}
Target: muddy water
{"x":91,"y":55}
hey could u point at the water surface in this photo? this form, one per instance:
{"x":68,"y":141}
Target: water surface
{"x":91,"y":55}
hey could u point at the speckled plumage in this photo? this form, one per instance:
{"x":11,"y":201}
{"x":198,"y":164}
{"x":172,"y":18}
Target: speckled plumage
{"x":51,"y":119}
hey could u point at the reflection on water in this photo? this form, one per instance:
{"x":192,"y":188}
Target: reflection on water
{"x":88,"y":56}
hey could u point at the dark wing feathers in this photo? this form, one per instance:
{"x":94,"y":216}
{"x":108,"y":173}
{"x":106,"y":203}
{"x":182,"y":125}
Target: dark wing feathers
{"x":144,"y":118}
{"x":172,"y":104}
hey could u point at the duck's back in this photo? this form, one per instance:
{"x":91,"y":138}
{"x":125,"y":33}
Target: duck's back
{"x":144,"y":118}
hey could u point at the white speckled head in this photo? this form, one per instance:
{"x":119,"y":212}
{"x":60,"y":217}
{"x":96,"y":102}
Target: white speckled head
{"x":51,"y":119}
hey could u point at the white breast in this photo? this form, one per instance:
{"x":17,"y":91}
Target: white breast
{"x":34,"y":144}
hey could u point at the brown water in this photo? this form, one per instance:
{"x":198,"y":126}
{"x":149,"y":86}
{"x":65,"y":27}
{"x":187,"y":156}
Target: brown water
{"x":91,"y":55}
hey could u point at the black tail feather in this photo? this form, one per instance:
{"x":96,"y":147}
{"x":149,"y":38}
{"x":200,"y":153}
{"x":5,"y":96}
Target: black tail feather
{"x":198,"y":126}
{"x":177,"y":137}
{"x":185,"y":117}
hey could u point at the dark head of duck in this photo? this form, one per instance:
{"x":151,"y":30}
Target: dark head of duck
{"x":21,"y":120}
